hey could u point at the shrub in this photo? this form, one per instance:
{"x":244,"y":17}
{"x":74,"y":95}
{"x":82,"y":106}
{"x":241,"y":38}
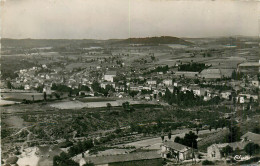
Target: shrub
{"x":207,"y":162}
{"x":252,"y":160}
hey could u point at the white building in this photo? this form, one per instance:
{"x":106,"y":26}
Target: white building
{"x":104,"y":84}
{"x":225,"y":95}
{"x":175,"y":150}
{"x":109,"y":76}
{"x":167,"y":82}
{"x":151,"y":82}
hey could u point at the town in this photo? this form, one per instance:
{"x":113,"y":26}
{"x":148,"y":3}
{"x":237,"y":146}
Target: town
{"x":137,"y":101}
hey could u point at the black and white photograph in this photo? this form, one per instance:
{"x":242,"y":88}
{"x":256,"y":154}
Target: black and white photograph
{"x":130,"y":82}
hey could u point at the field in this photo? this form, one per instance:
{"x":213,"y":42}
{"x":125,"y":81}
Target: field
{"x":86,"y":104}
{"x":95,"y":99}
{"x":22,"y":96}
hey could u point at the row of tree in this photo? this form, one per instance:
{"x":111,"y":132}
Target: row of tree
{"x":187,"y":99}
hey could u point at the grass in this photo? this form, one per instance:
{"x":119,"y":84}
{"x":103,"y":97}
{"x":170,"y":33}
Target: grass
{"x":95,"y":99}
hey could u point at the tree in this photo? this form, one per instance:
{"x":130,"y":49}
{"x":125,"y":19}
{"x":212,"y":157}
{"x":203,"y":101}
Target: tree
{"x":234,"y":134}
{"x":126,"y":105}
{"x":63,"y":160}
{"x":178,"y":140}
{"x":133,"y":93}
{"x":190,"y":140}
{"x":234,"y":75}
{"x":89,"y":164}
{"x":256,"y":130}
{"x":33,"y":98}
{"x":169,"y":135}
{"x":226,"y":151}
{"x":162,"y":137}
{"x":207,"y":162}
{"x":9,"y":85}
{"x":45,"y":96}
{"x":252,"y":148}
{"x":109,"y":106}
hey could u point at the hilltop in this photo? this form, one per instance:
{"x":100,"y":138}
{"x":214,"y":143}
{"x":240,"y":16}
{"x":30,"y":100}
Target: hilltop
{"x":154,"y":41}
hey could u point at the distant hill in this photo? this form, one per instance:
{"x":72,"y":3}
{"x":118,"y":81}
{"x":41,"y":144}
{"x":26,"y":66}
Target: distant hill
{"x":32,"y":43}
{"x":154,"y":41}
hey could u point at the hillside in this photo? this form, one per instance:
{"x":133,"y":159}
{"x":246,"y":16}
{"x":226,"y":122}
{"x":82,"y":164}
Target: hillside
{"x":154,"y":41}
{"x":32,"y":43}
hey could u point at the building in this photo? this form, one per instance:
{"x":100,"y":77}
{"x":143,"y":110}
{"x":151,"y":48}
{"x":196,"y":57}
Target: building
{"x":175,"y":150}
{"x":167,"y":82}
{"x":226,"y":94}
{"x":187,"y":74}
{"x":137,"y":158}
{"x":241,"y":100}
{"x":197,"y":90}
{"x":252,"y":137}
{"x":109,"y":76}
{"x":104,"y":84}
{"x":249,"y":67}
{"x":151,"y":82}
{"x":247,"y":97}
{"x":214,"y":151}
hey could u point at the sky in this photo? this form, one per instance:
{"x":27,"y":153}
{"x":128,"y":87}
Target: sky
{"x":118,"y":19}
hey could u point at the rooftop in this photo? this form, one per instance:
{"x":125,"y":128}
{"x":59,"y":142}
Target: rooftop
{"x":252,"y":137}
{"x":250,"y":64}
{"x":110,"y":73}
{"x":124,"y":157}
{"x":176,"y":146}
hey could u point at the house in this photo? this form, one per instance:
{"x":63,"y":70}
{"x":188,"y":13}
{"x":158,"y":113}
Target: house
{"x":184,"y":88}
{"x":225,"y":94}
{"x":104,"y":84}
{"x":147,"y":97}
{"x":206,"y":98}
{"x":151,"y":82}
{"x":175,"y":84}
{"x":170,"y":149}
{"x":47,"y":90}
{"x":120,"y":87}
{"x":137,"y":158}
{"x":214,"y":151}
{"x":167,"y":82}
{"x":27,"y":87}
{"x":86,"y":93}
{"x":248,"y":96}
{"x":197,"y":90}
{"x":241,"y":100}
{"x":249,"y":67}
{"x":252,"y":137}
{"x":186,"y":74}
{"x":109,"y":76}
{"x":133,"y":87}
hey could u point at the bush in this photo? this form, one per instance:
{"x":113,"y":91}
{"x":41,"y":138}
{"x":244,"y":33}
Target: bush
{"x":252,"y":160}
{"x":207,"y":162}
{"x":252,"y":148}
